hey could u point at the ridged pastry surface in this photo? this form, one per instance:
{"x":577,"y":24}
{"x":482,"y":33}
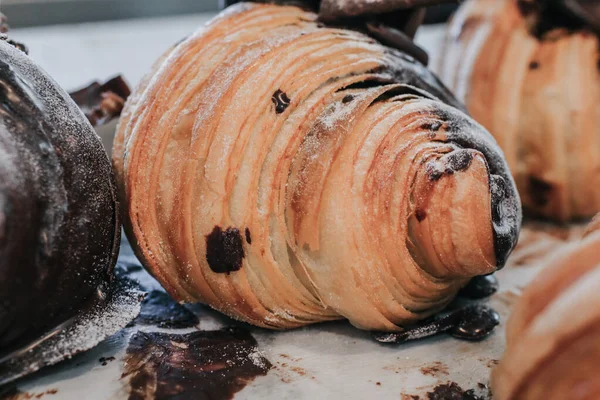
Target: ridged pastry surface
{"x":286,"y":173}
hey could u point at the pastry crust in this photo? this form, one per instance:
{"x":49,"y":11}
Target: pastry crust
{"x":287,"y":173}
{"x":538,"y":95}
{"x":552,"y":336}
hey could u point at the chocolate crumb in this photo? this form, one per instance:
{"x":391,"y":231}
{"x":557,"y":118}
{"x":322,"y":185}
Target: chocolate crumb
{"x":197,"y":365}
{"x":224,"y":250}
{"x":378,"y":383}
{"x":534,"y":65}
{"x":452,"y":391}
{"x":248,"y":237}
{"x":105,"y":360}
{"x":435,"y":369}
{"x":281,"y":101}
{"x":14,"y":394}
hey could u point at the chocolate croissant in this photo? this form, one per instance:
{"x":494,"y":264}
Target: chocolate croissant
{"x":552,"y":348}
{"x":286,"y":172}
{"x":59,"y":220}
{"x":527,"y":70}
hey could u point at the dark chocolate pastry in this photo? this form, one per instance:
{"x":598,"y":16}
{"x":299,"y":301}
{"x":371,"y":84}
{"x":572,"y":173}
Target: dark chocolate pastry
{"x":529,"y":71}
{"x":59,"y":217}
{"x":288,"y":171}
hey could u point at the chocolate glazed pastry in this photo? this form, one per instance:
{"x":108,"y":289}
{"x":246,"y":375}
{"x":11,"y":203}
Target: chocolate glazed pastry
{"x":59,"y":220}
{"x":529,"y":71}
{"x":287,"y":172}
{"x":553,"y":351}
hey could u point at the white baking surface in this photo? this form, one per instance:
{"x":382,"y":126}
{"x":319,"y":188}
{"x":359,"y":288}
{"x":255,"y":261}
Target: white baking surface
{"x":331,"y":360}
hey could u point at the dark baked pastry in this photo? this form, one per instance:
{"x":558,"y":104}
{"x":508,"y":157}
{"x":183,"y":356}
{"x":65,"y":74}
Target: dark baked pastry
{"x":288,"y":172}
{"x":59,"y":224}
{"x":553,"y":349}
{"x":528,"y":71}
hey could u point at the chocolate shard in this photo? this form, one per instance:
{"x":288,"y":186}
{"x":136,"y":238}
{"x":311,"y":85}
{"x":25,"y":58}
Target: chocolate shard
{"x":102,"y":102}
{"x":332,"y":10}
{"x":397,"y":39}
{"x":473,"y":323}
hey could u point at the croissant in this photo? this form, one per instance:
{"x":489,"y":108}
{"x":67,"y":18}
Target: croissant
{"x":286,"y":172}
{"x":527,"y":70}
{"x":552,"y":336}
{"x":59,"y":219}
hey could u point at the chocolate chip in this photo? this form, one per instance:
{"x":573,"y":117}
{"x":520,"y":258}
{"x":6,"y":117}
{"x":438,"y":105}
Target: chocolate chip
{"x":534,"y":65}
{"x":224,"y":250}
{"x":281,"y":101}
{"x":420,"y":214}
{"x":347,"y":98}
{"x":477,"y":323}
{"x":432,"y":126}
{"x":248,"y":237}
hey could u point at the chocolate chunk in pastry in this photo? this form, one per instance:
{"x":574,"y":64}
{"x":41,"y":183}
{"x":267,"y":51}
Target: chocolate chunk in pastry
{"x":528,"y":70}
{"x":552,"y":348}
{"x":102,"y":102}
{"x":59,"y":220}
{"x":286,"y":173}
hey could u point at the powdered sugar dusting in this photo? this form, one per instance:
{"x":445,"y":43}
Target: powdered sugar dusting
{"x":103,"y":319}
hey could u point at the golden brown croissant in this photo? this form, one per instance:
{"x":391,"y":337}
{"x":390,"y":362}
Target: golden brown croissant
{"x":528,"y":71}
{"x":286,"y":172}
{"x":553,"y":351}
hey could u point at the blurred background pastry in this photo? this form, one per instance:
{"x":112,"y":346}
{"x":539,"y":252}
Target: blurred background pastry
{"x":528,"y":71}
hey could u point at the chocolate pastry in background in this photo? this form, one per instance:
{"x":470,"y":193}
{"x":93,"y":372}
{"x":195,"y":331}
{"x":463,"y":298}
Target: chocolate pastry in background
{"x":528,"y":71}
{"x":59,"y":222}
{"x":287,"y":172}
{"x":553,"y":351}
{"x":102,"y":102}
